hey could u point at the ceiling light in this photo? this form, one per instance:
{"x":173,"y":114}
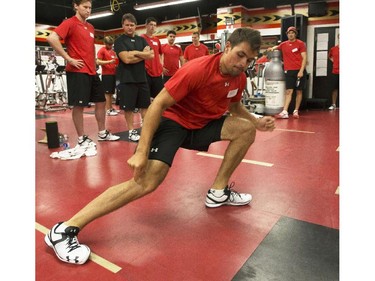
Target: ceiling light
{"x":100,"y":15}
{"x":159,"y":4}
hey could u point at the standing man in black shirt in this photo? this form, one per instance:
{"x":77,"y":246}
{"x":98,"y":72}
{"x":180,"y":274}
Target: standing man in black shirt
{"x":132,"y":51}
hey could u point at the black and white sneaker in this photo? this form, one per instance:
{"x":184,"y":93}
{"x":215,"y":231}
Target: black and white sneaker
{"x":86,"y":142}
{"x":228,"y":196}
{"x":63,"y":240}
{"x":134,"y":136}
{"x":107,"y":136}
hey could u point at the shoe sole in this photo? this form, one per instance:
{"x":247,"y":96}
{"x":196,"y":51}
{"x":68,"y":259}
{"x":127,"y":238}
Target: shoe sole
{"x":209,"y":205}
{"x":49,"y":244}
{"x":107,"y":140}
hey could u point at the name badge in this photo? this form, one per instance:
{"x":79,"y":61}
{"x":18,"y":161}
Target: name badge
{"x":232,"y":93}
{"x":91,"y":35}
{"x":295,"y":50}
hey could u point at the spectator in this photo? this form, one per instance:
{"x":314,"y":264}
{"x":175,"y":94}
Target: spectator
{"x":133,"y":90}
{"x":334,"y":57}
{"x":154,"y":67}
{"x":107,"y":59}
{"x":196,"y":49}
{"x":173,"y":57}
{"x":83,"y":83}
{"x":294,"y":58}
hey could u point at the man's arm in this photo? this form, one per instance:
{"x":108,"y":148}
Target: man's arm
{"x":150,"y":124}
{"x":266,"y":123}
{"x":54,"y":40}
{"x":131,"y":57}
{"x":303,"y":64}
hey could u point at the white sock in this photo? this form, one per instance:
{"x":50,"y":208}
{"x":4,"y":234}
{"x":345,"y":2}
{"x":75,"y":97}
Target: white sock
{"x":217,"y":192}
{"x":102,"y":132}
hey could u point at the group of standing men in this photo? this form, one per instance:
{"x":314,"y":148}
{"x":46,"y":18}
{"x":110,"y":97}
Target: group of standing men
{"x":138,"y":66}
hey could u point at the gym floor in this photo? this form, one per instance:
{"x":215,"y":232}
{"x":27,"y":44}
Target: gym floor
{"x":290,"y":231}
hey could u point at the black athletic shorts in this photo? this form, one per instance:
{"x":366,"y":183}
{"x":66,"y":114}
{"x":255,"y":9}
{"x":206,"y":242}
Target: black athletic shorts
{"x":335,"y":82}
{"x":109,"y":83}
{"x":291,"y":80}
{"x":84,"y":88}
{"x":171,"y":135}
{"x":156,"y":85}
{"x":133,"y":95}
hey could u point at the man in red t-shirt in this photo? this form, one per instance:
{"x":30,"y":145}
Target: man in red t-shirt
{"x":172,"y":57}
{"x":196,"y":49}
{"x":201,"y":104}
{"x":108,"y":61}
{"x":334,"y":57}
{"x":84,"y":85}
{"x":154,"y":67}
{"x":294,"y":58}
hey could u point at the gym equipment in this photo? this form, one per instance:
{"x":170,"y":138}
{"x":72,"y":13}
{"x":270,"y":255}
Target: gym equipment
{"x":52,"y":96}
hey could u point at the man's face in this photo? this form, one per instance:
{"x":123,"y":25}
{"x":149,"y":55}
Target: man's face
{"x":83,"y":9}
{"x":129,"y":28}
{"x":109,"y":46}
{"x":292,"y":35}
{"x":151,"y":27}
{"x":171,"y":38}
{"x":237,"y":59}
{"x":195,"y":39}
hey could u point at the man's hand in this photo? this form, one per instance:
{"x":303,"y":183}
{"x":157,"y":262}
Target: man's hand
{"x":266,"y":123}
{"x":138,"y":163}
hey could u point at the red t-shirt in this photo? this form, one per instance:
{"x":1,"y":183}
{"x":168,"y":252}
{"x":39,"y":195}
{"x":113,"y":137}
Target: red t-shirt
{"x":105,"y":54}
{"x":192,"y":51}
{"x":292,"y":54}
{"x":334,"y":53}
{"x":172,"y":56}
{"x":202,"y":93}
{"x":154,"y":67}
{"x":79,"y":40}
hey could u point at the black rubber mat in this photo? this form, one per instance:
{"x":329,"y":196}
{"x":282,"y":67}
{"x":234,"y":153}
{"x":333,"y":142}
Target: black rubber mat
{"x":294,"y":251}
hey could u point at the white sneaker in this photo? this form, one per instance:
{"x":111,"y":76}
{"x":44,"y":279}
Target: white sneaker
{"x":112,"y":112}
{"x":107,"y":136}
{"x":332,"y":107}
{"x":63,"y":240}
{"x":134,"y":136}
{"x":282,"y":115}
{"x":86,"y":142}
{"x":229,"y":197}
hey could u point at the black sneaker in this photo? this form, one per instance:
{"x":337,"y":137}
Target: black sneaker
{"x":63,"y":240}
{"x":230,"y":197}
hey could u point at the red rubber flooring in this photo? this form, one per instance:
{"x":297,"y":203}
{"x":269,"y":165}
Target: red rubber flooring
{"x":170,"y":234}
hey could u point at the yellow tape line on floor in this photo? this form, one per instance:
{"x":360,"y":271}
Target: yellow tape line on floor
{"x":295,"y":131}
{"x":94,"y":257}
{"x":244,"y":160}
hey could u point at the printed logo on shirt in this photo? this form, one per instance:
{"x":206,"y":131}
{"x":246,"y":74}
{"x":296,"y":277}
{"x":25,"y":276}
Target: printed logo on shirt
{"x":226,"y":84}
{"x":295,"y":50}
{"x":232,"y":93}
{"x":154,"y":43}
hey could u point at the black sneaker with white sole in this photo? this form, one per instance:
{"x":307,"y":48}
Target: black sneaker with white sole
{"x":216,"y":198}
{"x":63,"y":240}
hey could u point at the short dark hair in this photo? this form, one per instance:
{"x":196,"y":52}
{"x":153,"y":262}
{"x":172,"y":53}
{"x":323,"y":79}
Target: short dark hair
{"x":246,"y":34}
{"x":108,"y":40}
{"x":150,"y":19}
{"x":79,"y":2}
{"x":171,"y":32}
{"x":129,"y":17}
